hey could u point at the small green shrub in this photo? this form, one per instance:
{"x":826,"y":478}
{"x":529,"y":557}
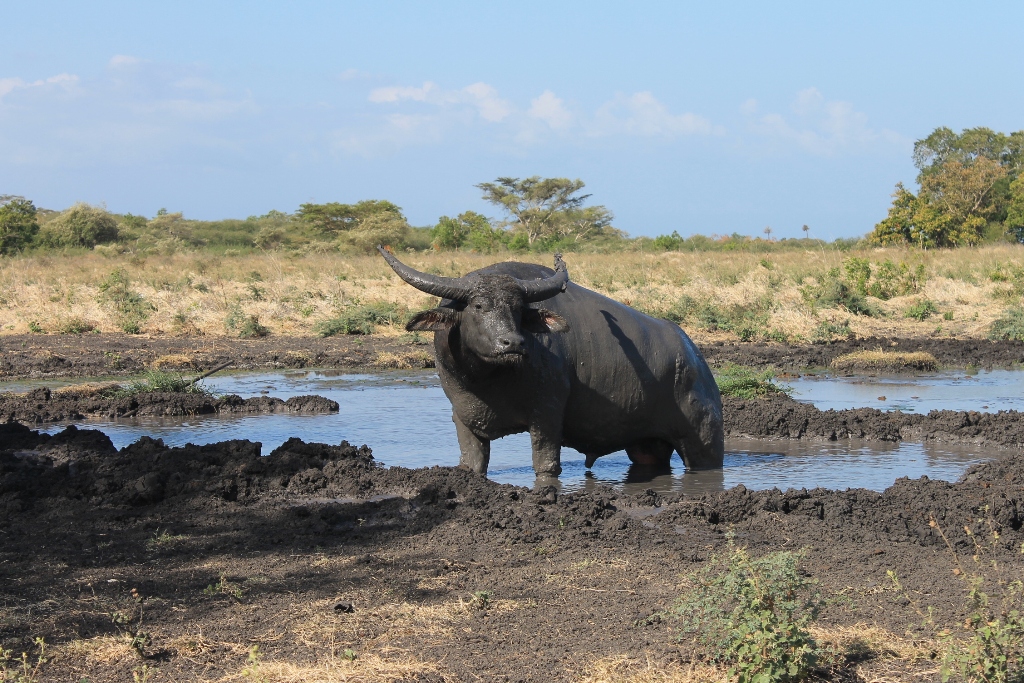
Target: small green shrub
{"x":753,"y":614}
{"x":1010,"y":326}
{"x":993,"y":651}
{"x":73,"y":326}
{"x":361,"y":319}
{"x":742,"y":382}
{"x":131,"y":310}
{"x":828,"y":331}
{"x":23,"y":669}
{"x":34,"y":327}
{"x":921,"y":310}
{"x":252,"y":329}
{"x":160,"y":381}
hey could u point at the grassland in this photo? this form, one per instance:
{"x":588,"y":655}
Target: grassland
{"x":812,"y":295}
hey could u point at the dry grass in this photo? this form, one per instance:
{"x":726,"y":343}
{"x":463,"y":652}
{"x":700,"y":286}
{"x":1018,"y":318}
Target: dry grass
{"x":335,"y":668}
{"x":885,"y":360}
{"x":403,"y":360}
{"x":195,"y":294}
{"x":624,"y":669}
{"x":107,"y":649}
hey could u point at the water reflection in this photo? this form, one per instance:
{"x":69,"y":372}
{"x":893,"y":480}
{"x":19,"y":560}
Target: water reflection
{"x":406,"y":419}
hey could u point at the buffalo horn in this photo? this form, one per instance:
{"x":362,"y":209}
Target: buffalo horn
{"x":445,"y":287}
{"x":539,"y":290}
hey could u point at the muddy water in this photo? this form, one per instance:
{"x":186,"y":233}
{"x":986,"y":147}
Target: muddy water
{"x":406,"y":419}
{"x":982,"y":391}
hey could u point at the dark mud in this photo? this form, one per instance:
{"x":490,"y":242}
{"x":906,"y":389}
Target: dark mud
{"x":94,"y":355}
{"x":42,"y":405}
{"x":950,"y":353}
{"x":784,"y":417}
{"x":316,"y":549}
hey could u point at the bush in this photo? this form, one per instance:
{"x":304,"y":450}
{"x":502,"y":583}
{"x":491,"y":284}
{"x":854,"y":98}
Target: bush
{"x":18,"y":226}
{"x":131,"y":310}
{"x":1010,"y":326}
{"x":73,"y":326}
{"x":921,"y":310}
{"x":80,"y":226}
{"x":245,"y":326}
{"x":828,"y":331}
{"x":742,"y":382}
{"x":361,"y":319}
{"x":753,"y":614}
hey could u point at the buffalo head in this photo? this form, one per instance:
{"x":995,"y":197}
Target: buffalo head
{"x":489,"y":309}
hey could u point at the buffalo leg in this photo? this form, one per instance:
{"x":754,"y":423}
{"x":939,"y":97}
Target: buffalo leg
{"x":650,"y":452}
{"x":547,"y":450}
{"x":475,"y":452}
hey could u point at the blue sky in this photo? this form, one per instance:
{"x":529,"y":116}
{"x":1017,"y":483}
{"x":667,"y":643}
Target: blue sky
{"x":696,"y":117}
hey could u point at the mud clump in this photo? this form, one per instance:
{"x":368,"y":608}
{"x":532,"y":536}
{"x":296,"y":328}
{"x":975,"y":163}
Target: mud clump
{"x":784,"y":417}
{"x":42,"y":405}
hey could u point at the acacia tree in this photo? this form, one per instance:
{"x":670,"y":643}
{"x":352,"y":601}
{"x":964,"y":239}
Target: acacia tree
{"x":534,"y":204}
{"x":18,"y":225}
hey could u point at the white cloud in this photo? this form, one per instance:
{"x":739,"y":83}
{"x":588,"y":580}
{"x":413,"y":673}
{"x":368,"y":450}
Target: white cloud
{"x":550,"y":109}
{"x":641,"y":114}
{"x":123,"y":62}
{"x":481,"y":96}
{"x":63,"y":81}
{"x":819,"y":126}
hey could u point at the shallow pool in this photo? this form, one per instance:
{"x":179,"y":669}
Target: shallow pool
{"x":406,"y":419}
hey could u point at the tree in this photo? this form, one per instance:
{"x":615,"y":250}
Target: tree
{"x":806,"y":228}
{"x":898,"y":226}
{"x":1015,"y":211}
{"x":334,"y":218}
{"x":80,"y":226}
{"x":18,"y":226}
{"x":470,"y":229}
{"x":580,"y":224}
{"x":533,"y":203}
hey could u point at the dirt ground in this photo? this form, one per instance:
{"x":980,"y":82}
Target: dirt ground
{"x":173,"y":564}
{"x":109,"y":355}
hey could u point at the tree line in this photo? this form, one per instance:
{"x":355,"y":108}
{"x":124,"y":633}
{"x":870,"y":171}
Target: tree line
{"x":971,"y":191}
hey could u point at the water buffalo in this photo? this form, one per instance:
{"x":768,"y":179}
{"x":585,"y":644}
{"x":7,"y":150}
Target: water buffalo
{"x":583,"y":371}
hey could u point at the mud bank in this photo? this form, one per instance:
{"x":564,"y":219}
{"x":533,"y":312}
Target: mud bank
{"x":93,"y":355}
{"x":432,"y":574}
{"x":42,"y":405}
{"x":784,"y":417}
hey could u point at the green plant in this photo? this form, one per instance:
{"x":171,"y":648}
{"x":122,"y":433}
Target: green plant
{"x":921,"y":310}
{"x":349,"y":655}
{"x":34,"y":327}
{"x":74,"y":326}
{"x":131,"y":310}
{"x":835,"y":292}
{"x":1010,"y":326}
{"x":480,"y":600}
{"x":753,"y":614}
{"x":252,"y":669}
{"x":23,"y":669}
{"x":742,"y":382}
{"x":225,"y":587}
{"x":160,"y":381}
{"x":828,"y":331}
{"x":142,"y":674}
{"x":361,"y":319}
{"x":251,"y":328}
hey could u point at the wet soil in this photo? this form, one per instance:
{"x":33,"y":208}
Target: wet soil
{"x":201,"y":552}
{"x":42,"y":405}
{"x":94,"y":355}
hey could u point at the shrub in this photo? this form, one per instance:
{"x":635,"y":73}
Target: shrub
{"x":80,"y":226}
{"x":828,"y":331}
{"x":1010,"y":326}
{"x":73,"y":326}
{"x":18,"y":226}
{"x":742,"y":382}
{"x":753,"y":614}
{"x":921,"y":310}
{"x":131,"y":310}
{"x":361,"y":319}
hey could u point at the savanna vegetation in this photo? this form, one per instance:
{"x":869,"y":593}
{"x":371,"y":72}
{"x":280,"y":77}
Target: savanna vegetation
{"x":314,"y":272}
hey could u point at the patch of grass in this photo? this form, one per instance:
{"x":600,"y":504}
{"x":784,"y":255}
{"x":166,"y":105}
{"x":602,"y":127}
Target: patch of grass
{"x":361,"y":319}
{"x":244,"y":326}
{"x":829,"y":331}
{"x":34,"y":327}
{"x":753,"y":615}
{"x":921,"y":310}
{"x":73,"y":326}
{"x":160,"y":381}
{"x":225,"y":587}
{"x":885,"y":360}
{"x":834,"y":292}
{"x":742,"y":382}
{"x":403,"y":360}
{"x":1009,"y":326}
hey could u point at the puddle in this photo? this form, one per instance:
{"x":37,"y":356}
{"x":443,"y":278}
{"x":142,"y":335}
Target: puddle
{"x":406,"y":419}
{"x":984,"y":391}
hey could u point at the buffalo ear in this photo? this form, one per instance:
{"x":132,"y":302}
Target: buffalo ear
{"x":543,"y":320}
{"x":434,"y":320}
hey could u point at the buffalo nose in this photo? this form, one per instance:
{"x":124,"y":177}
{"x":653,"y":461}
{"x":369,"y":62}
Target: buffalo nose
{"x":510,"y":344}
